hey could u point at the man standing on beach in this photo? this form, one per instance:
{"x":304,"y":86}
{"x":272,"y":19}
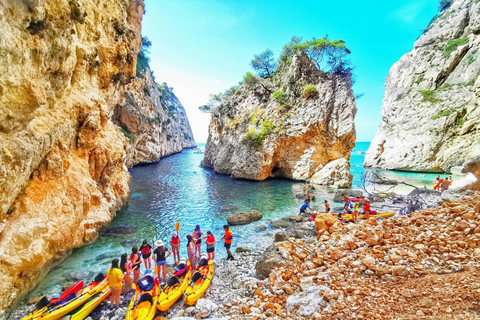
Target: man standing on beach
{"x":228,"y":241}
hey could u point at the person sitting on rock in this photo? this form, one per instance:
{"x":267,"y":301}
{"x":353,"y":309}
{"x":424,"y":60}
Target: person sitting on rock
{"x":304,"y":207}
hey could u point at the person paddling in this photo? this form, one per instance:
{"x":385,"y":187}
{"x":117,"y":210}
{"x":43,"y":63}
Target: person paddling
{"x":175,"y":244}
{"x":228,"y":241}
{"x":127,"y":270}
{"x":146,"y":251}
{"x":210,"y":241}
{"x":115,"y":276}
{"x":161,"y":258}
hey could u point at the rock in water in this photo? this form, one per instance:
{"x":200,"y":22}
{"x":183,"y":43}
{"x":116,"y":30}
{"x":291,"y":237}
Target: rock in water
{"x":430,"y":113}
{"x":269,"y":127}
{"x":241,"y":218}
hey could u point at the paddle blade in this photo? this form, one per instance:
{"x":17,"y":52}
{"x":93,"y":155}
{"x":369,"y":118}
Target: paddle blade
{"x":177,"y":226}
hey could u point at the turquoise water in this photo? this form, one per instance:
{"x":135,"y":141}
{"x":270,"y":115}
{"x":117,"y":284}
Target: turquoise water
{"x":177,"y":189}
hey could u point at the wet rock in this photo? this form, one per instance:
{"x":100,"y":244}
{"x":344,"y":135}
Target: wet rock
{"x":280,"y":236}
{"x":242,"y":249}
{"x":242,"y":218}
{"x":281,"y":224}
{"x":120,"y":230}
{"x":261,"y":227}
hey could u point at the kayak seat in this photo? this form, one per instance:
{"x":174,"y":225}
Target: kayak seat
{"x":172,"y":281}
{"x":181,"y":273}
{"x":42,"y":303}
{"x":146,"y":284}
{"x":146,"y":297}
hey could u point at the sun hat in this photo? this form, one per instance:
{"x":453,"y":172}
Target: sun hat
{"x":159,"y":243}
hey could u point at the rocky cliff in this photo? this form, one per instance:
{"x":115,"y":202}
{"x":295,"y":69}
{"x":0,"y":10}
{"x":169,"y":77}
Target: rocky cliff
{"x":290,"y":124}
{"x":430,"y":112}
{"x":154,"y":121}
{"x":67,"y":69}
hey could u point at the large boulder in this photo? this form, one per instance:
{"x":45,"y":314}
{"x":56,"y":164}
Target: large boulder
{"x":327,"y":222}
{"x":335,"y":173}
{"x":241,"y":218}
{"x":270,"y":260}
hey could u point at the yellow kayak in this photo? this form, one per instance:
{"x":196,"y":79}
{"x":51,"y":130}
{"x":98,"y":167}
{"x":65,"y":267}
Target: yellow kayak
{"x":174,"y":289}
{"x":193,"y":293}
{"x":91,"y":305}
{"x":143,"y":305}
{"x":361,"y":216}
{"x":56,"y":312}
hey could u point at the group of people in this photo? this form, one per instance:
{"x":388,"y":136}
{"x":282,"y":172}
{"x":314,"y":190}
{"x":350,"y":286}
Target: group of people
{"x":353,"y":207}
{"x":119,"y":275}
{"x":442,"y":184}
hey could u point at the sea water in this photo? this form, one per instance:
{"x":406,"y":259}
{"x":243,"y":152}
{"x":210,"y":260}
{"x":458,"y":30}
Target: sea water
{"x":178,"y":189}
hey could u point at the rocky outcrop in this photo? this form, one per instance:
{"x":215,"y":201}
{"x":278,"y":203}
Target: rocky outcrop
{"x":241,"y":218}
{"x":290,"y":125}
{"x":64,"y":66}
{"x":430,"y":113}
{"x":154,"y":121}
{"x":335,"y":173}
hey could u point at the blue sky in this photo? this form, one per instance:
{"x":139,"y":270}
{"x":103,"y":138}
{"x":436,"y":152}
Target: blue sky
{"x":203,"y":47}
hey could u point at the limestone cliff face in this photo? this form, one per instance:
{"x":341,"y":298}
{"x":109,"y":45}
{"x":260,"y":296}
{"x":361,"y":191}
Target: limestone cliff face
{"x":62,"y":159}
{"x":430,"y":112}
{"x":154,"y":121}
{"x":254,"y":135}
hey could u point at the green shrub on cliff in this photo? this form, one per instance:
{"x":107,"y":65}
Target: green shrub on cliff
{"x":453,"y":45}
{"x":280,"y":97}
{"x":428,"y":96}
{"x":143,"y":59}
{"x":443,"y":113}
{"x":257,"y":139}
{"x":309,"y":91}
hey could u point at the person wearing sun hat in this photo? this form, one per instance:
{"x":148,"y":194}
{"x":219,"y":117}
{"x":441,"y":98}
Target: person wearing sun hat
{"x":161,"y":258}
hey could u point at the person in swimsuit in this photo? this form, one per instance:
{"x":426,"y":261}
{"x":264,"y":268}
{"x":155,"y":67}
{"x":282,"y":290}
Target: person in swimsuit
{"x":191,"y":251}
{"x":127,"y":270}
{"x":327,"y":206}
{"x":436,"y":183}
{"x":146,"y":251}
{"x":175,"y":244}
{"x":136,"y":261}
{"x":197,"y":237}
{"x":161,"y":258}
{"x":210,"y":241}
